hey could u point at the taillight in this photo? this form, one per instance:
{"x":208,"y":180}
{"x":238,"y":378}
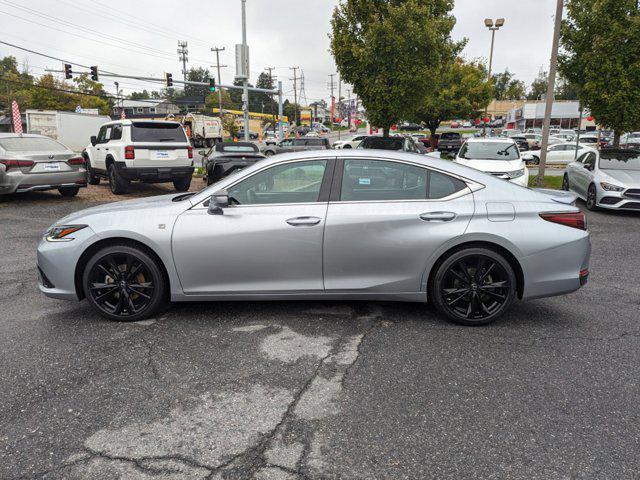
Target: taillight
{"x":129,"y":153}
{"x":76,"y":161}
{"x":573,"y":220}
{"x":190,"y":151}
{"x":9,"y":164}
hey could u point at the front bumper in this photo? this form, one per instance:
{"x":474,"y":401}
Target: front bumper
{"x":154,"y":174}
{"x":618,"y":200}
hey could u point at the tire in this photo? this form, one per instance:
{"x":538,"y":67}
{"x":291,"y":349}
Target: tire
{"x":124,"y":283}
{"x":469,"y":298}
{"x":92,"y":179}
{"x":592,"y":198}
{"x":346,"y":147}
{"x":182,"y":184}
{"x":268,"y":153}
{"x":117,"y":184}
{"x":536,"y":160}
{"x":69,"y":191}
{"x":565,"y":183}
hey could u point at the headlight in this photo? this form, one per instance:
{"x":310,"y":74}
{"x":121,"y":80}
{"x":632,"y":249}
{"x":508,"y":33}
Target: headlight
{"x":62,"y":233}
{"x":516,"y":173}
{"x":611,"y":188}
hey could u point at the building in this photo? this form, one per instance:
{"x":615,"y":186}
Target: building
{"x":499,"y":109}
{"x":146,"y":108}
{"x":564,"y":114}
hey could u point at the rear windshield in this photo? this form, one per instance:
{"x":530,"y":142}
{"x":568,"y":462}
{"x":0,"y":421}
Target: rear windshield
{"x":157,"y":132}
{"x":31,"y":144}
{"x":489,"y":151}
{"x":233,"y":148}
{"x":381,"y":143}
{"x":450,"y":136}
{"x":619,"y":160}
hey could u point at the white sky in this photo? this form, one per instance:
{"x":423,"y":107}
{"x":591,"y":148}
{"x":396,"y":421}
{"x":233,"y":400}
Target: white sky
{"x":140,"y":37}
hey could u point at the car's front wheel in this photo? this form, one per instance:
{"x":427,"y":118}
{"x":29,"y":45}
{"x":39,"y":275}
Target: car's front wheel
{"x":268,"y":153}
{"x":592,"y":198}
{"x":69,"y":191}
{"x":124,"y":283}
{"x":473,"y":286}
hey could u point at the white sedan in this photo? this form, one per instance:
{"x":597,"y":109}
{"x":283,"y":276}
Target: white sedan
{"x":564,"y":153}
{"x":351,"y":142}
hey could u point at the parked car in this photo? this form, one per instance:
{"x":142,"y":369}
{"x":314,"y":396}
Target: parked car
{"x":630,"y":140}
{"x":410,"y":127}
{"x":270,"y":137}
{"x":566,"y":137}
{"x":591,"y":140}
{"x":34,"y":162}
{"x":148,"y":151}
{"x":297,"y":145}
{"x":252,"y":135}
{"x":350,"y":142}
{"x":455,"y":125}
{"x":394,"y":143}
{"x":607,"y":179}
{"x":312,"y":133}
{"x":496,"y":156}
{"x":523,"y":144}
{"x":227,"y":157}
{"x":511,"y":133}
{"x":467,"y":124}
{"x":559,"y":154}
{"x":534,"y":130}
{"x":393,"y":227}
{"x":450,"y":142}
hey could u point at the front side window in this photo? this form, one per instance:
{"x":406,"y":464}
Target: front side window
{"x":297,"y":182}
{"x":286,"y":143}
{"x":380,"y":180}
{"x":489,"y":151}
{"x":590,"y":159}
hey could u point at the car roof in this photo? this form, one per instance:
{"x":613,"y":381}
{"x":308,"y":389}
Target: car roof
{"x":490,"y":140}
{"x":130,"y":122}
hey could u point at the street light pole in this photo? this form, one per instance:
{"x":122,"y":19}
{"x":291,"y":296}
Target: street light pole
{"x":494,"y":28}
{"x":218,"y":50}
{"x":550,"y":89}
{"x":245,"y":84}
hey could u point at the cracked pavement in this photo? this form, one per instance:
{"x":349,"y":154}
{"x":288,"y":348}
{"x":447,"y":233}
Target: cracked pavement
{"x":311,"y":390}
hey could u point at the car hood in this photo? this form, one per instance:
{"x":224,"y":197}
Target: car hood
{"x":628,"y":178}
{"x":136,"y":206}
{"x":492,"y":166}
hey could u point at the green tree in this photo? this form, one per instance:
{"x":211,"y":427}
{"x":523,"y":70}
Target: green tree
{"x":538,"y":88}
{"x":211,"y":101}
{"x":390,"y":51}
{"x":601,"y":43}
{"x":462,"y":91}
{"x":263,"y":102}
{"x":506,"y":87}
{"x":143,"y":95}
{"x":198,"y":74}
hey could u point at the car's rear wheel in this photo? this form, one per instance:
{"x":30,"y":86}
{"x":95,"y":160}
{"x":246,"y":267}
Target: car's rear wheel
{"x":592,"y":198}
{"x":124,"y":283}
{"x":565,"y":183}
{"x":92,"y":178}
{"x":473,"y":286}
{"x":268,"y":153}
{"x":69,"y":191}
{"x":347,"y":146}
{"x":117,"y":184}
{"x":182,"y":184}
{"x":535,"y":160}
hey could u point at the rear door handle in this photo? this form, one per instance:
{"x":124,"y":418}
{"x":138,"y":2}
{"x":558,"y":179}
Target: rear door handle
{"x":304,"y":221}
{"x":437,"y":216}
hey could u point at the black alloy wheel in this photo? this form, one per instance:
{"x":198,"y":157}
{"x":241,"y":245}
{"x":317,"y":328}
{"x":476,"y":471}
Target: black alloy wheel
{"x":592,"y":202}
{"x":474,"y":286}
{"x":124,"y":283}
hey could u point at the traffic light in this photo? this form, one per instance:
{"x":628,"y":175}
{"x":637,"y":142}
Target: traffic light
{"x":67,"y":71}
{"x":168,"y":79}
{"x":212,"y":84}
{"x":94,"y":73}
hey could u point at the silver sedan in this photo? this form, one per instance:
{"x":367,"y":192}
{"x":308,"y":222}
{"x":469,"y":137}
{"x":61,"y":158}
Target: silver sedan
{"x":35,"y":162}
{"x":607,"y":178}
{"x":348,"y":224}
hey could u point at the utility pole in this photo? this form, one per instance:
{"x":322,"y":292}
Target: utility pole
{"x":273,"y":113}
{"x":333,"y":101}
{"x":295,"y":91}
{"x":182,"y":56}
{"x":218,"y":66}
{"x":550,"y":97}
{"x":349,"y":108}
{"x":340,"y":104}
{"x":245,"y":83}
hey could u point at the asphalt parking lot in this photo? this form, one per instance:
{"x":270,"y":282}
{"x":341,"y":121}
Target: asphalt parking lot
{"x":309,"y":390}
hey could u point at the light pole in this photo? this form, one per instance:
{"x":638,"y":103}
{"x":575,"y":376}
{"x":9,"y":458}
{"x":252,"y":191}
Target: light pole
{"x":493,"y":28}
{"x":245,"y":84}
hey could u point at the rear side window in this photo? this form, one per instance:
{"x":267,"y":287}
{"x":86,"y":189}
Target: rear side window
{"x":31,"y":144}
{"x":116,"y":133}
{"x":450,"y":136}
{"x":315,"y":142}
{"x":379,"y":180}
{"x":157,"y":132}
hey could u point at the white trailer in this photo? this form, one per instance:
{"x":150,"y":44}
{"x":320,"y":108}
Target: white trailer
{"x":70,"y":128}
{"x":203,"y":131}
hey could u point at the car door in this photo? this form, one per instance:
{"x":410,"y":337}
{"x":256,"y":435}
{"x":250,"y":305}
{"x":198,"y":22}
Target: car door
{"x":385,"y":220}
{"x":285,"y":146}
{"x":583,"y":173}
{"x":555,"y":154}
{"x":269,"y":240}
{"x":99,"y":151}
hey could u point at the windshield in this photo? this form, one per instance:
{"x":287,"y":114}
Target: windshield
{"x":450,"y":136}
{"x":31,"y":144}
{"x":157,"y":132}
{"x":619,"y":160}
{"x":382,"y":143}
{"x":489,"y":151}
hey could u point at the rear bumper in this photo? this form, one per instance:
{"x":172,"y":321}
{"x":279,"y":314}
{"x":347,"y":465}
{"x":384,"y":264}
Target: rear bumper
{"x":18,"y":182}
{"x":153,"y":174}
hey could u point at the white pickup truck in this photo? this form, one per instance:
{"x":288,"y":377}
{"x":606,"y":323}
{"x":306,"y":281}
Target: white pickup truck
{"x":148,"y":151}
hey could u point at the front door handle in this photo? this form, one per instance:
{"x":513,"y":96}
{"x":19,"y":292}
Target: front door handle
{"x":304,"y":221}
{"x":437,"y":216}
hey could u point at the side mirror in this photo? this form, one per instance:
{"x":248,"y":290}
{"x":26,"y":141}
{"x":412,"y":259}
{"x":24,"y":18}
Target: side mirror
{"x":218,"y":201}
{"x":94,"y":140}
